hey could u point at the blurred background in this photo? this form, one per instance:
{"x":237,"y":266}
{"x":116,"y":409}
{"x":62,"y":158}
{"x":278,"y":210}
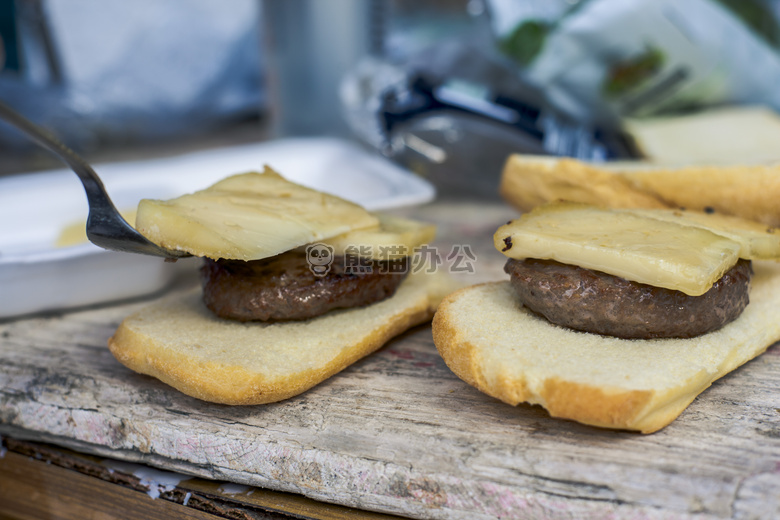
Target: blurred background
{"x":444,"y":88}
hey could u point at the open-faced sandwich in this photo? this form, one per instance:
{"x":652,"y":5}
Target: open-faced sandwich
{"x":615,"y":317}
{"x":297,"y":285}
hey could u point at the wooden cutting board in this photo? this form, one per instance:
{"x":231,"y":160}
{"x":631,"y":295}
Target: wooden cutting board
{"x":398,"y":432}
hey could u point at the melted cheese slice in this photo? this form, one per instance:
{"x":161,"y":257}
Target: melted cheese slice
{"x":662,"y":253}
{"x":248,"y":217}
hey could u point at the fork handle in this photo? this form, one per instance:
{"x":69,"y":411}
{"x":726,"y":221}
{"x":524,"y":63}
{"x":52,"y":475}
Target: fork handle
{"x":105,"y":226}
{"x":86,"y":174}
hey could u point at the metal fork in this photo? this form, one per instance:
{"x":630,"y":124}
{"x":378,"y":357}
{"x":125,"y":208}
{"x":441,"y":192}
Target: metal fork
{"x":105,"y":226}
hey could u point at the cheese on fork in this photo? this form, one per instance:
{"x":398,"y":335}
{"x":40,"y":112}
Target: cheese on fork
{"x":248,"y":217}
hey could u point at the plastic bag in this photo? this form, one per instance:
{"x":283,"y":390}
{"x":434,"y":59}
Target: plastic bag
{"x":602,"y":60}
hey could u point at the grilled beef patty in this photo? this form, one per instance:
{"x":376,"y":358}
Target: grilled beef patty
{"x":593,"y":301}
{"x":283,"y":287}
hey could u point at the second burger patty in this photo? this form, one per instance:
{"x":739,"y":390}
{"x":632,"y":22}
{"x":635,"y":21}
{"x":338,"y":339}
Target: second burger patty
{"x":283,"y":287}
{"x":593,"y":301}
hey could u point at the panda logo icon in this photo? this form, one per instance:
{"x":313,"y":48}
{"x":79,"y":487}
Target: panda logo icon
{"x":319,"y":257}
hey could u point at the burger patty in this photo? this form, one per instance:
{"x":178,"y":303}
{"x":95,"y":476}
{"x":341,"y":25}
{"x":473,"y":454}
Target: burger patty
{"x":283,"y":287}
{"x":593,"y":301}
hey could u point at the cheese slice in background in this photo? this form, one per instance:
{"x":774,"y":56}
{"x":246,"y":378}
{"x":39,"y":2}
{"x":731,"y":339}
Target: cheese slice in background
{"x":249,"y":216}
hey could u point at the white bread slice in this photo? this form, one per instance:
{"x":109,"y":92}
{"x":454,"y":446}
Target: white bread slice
{"x":528,"y":181}
{"x":493,"y":343}
{"x":750,"y":192}
{"x":180,"y":342}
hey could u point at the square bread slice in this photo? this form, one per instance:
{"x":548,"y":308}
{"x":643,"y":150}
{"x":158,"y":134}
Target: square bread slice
{"x":180,"y":342}
{"x":493,"y":343}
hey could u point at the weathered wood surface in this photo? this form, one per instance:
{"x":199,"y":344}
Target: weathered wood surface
{"x":398,"y":432}
{"x":41,"y":481}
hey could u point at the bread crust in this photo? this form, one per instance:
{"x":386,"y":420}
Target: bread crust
{"x":749,"y":192}
{"x":179,"y":342}
{"x":527,"y":182}
{"x":491,"y":342}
